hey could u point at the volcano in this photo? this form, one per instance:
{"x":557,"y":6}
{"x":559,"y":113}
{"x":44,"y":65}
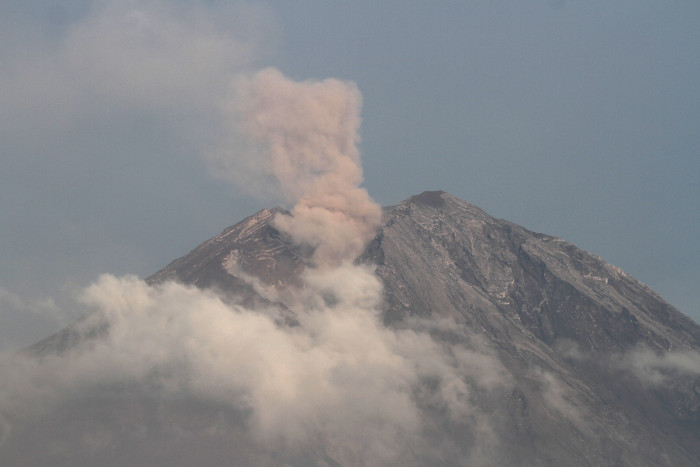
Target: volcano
{"x":594,"y":367}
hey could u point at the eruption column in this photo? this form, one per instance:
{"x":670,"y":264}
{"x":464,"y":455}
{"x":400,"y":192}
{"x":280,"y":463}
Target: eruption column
{"x":307,"y":134}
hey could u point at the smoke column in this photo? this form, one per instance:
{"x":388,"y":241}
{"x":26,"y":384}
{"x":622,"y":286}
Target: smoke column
{"x":306,"y":135}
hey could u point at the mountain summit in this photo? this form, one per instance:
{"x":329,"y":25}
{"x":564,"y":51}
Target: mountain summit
{"x":439,"y":256}
{"x":548,"y":354}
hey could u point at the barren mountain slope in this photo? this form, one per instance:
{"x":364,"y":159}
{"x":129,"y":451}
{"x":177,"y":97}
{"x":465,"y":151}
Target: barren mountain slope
{"x":567,"y":359}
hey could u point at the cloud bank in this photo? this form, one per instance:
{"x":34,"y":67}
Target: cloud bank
{"x":339,"y":382}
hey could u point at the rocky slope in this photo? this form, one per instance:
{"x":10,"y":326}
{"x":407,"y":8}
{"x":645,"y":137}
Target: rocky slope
{"x":571,"y":328}
{"x":596,"y":368}
{"x":557,"y":315}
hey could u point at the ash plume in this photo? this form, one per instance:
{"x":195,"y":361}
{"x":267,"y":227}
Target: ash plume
{"x":304,"y":136}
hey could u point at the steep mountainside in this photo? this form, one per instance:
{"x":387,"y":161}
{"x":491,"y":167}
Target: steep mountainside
{"x":596,"y":368}
{"x":440,"y":255}
{"x":549,"y":307}
{"x":252,"y":247}
{"x":546,"y":307}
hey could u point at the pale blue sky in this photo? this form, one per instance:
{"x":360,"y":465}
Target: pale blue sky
{"x":577,"y":119}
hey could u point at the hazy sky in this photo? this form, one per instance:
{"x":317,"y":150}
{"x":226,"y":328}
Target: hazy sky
{"x":576,"y":119}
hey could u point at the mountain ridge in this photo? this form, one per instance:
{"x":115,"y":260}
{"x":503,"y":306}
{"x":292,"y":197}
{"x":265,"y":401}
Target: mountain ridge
{"x":588,"y":366}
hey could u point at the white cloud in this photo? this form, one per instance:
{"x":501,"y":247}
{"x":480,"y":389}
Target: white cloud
{"x":654,"y":368}
{"x":146,"y":55}
{"x":340,"y":379}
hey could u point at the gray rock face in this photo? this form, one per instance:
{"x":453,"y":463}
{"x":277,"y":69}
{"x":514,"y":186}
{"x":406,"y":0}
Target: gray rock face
{"x":252,"y":247}
{"x":566,"y":324}
{"x":551,"y":309}
{"x":601,"y":371}
{"x":440,"y":255}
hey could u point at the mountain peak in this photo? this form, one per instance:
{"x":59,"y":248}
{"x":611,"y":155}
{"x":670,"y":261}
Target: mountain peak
{"x":600,"y":370}
{"x":429,"y":198}
{"x":448,"y":257}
